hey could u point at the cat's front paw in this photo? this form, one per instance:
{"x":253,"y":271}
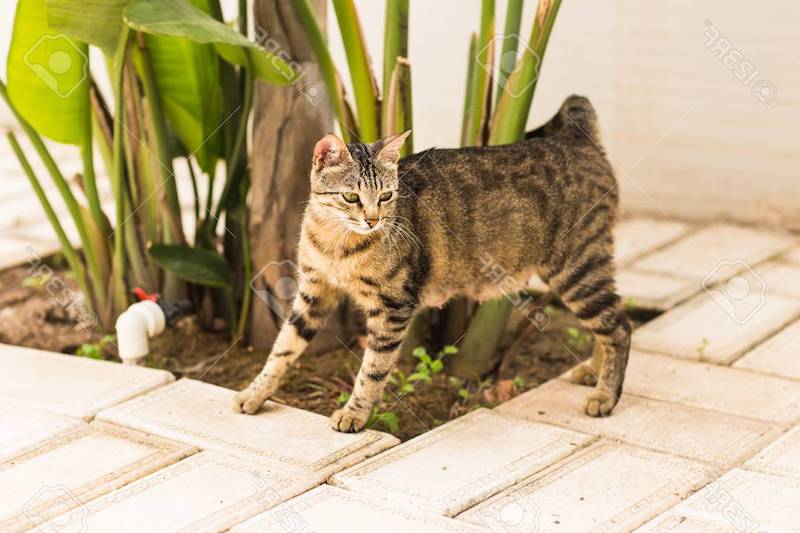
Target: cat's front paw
{"x":250,"y":400}
{"x":600,"y":403}
{"x":584,"y":374}
{"x":349,"y":420}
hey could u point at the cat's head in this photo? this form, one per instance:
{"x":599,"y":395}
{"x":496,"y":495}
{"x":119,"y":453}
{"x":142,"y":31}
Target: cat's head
{"x":356,"y":185}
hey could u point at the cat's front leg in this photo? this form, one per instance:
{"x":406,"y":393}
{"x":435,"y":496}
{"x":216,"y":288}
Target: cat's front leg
{"x":314,"y":302}
{"x":386,"y":329}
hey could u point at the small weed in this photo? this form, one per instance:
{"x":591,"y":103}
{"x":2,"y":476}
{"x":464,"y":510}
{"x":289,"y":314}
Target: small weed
{"x":578,"y":338}
{"x":402,"y":385}
{"x":36,"y":281}
{"x":701,"y":350}
{"x":95,"y":350}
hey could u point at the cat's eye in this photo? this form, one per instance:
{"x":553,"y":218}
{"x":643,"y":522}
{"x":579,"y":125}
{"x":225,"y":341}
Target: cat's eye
{"x":385,"y":197}
{"x":350,"y":197}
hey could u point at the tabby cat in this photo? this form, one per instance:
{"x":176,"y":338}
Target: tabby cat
{"x":400,"y":235}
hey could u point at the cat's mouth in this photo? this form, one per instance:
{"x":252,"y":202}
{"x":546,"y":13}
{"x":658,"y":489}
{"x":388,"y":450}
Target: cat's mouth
{"x":363,"y":229}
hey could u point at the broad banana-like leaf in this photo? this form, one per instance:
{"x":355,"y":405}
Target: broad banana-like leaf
{"x":195,"y":265}
{"x":48,"y":76}
{"x":95,"y":22}
{"x":187,"y":76}
{"x":179,"y":18}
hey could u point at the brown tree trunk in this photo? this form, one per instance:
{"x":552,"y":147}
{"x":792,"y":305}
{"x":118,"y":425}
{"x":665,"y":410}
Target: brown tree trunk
{"x":288,"y":121}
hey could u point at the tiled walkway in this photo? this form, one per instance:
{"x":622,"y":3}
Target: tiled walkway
{"x":705,"y":438}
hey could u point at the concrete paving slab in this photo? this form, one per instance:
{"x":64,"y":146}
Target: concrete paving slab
{"x":669,"y":427}
{"x":747,"y":501}
{"x":62,"y":474}
{"x":330,"y":509}
{"x":207,"y":492}
{"x":22,"y":429}
{"x":779,"y":277}
{"x":778,"y":355}
{"x":792,"y":256}
{"x":715,"y":253}
{"x":782,"y":457}
{"x":462,"y":462}
{"x":645,"y":290}
{"x":202,"y":414}
{"x":730,"y":390}
{"x":711,"y":327}
{"x":635,"y":237}
{"x":672,"y":522}
{"x":608,"y":486}
{"x":68,"y":385}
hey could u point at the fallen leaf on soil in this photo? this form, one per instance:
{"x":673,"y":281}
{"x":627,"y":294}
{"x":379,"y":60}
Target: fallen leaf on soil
{"x":500,"y":392}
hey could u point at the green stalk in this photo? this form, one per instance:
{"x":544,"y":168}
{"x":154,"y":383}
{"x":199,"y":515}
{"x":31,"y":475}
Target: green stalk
{"x":73,"y":260}
{"x":95,"y":269}
{"x":395,"y":41}
{"x":397,"y":116}
{"x":234,"y":169}
{"x":305,"y":14}
{"x":90,"y":180}
{"x":157,"y":130}
{"x":513,"y":107}
{"x":118,"y":172}
{"x":248,"y":267}
{"x":487,"y":326}
{"x":364,"y":87}
{"x":469,"y":92}
{"x":508,"y":55}
{"x":483,"y":60}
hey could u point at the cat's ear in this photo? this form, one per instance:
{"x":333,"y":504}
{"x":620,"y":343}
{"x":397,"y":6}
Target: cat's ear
{"x":329,"y":152}
{"x":389,"y":148}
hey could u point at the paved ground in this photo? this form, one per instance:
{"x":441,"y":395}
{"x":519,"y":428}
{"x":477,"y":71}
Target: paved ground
{"x":705,"y":438}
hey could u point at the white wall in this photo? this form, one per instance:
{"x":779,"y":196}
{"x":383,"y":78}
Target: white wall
{"x":687,"y":137}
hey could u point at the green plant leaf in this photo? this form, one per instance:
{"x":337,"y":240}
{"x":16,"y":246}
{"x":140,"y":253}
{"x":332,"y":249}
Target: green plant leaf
{"x":390,"y":420}
{"x":179,"y":18}
{"x":195,"y":265}
{"x":187,"y":77}
{"x":437,"y":366}
{"x":96,"y":22}
{"x":48,"y":76}
{"x":419,"y":376}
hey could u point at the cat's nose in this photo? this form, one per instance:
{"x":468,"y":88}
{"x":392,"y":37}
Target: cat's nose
{"x":371,"y":222}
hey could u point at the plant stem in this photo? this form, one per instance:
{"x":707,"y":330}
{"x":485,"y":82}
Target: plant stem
{"x":483,"y":60}
{"x":469,"y":90}
{"x":90,"y":180}
{"x":510,"y":43}
{"x":118,"y":172}
{"x":513,"y":106}
{"x":364,"y":87}
{"x":97,"y":282}
{"x":305,"y":14}
{"x":71,"y":255}
{"x":395,"y":42}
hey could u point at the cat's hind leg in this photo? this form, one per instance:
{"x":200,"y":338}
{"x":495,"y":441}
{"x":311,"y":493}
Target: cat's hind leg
{"x":586,"y":373}
{"x":587,"y":288}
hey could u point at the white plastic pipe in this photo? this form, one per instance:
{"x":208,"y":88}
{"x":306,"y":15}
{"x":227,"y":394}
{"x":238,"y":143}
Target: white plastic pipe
{"x":135,"y":326}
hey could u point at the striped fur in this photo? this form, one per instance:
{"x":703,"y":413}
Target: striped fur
{"x":546,"y":206}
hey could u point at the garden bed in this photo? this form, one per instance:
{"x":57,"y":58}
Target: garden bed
{"x":29,"y":316}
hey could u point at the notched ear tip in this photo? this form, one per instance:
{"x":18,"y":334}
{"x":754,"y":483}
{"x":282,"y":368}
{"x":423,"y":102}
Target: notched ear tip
{"x":330,"y":150}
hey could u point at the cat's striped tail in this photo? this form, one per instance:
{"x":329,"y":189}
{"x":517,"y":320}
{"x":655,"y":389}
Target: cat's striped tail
{"x":576,"y":118}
